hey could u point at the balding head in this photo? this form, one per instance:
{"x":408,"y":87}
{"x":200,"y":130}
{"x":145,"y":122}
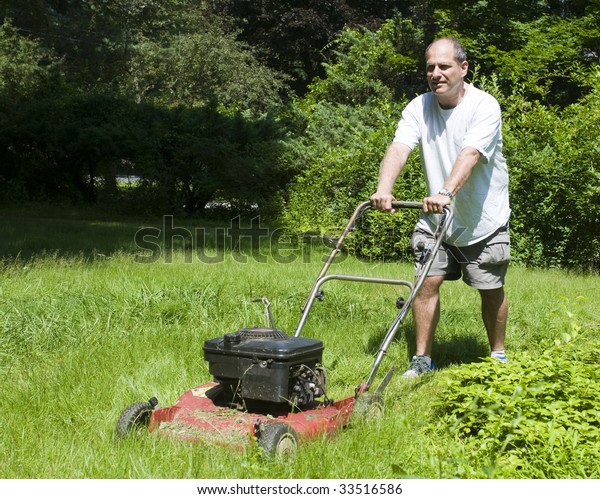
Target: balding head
{"x":460,"y":54}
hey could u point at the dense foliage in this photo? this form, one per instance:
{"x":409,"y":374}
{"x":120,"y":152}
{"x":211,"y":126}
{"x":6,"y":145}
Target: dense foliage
{"x":293,"y":36}
{"x":350,"y":118}
{"x":225,"y":100}
{"x":537,"y":417}
{"x":93,"y":91}
{"x":555,"y":186}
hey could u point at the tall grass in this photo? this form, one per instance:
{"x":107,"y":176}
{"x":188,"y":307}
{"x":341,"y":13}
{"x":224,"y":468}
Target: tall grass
{"x":85,"y":333}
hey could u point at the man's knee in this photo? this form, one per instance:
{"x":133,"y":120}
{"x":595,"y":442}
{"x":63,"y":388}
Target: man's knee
{"x":431,"y":286}
{"x":495,"y":295}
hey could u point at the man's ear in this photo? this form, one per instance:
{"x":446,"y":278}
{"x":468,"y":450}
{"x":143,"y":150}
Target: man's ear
{"x":464,"y":68}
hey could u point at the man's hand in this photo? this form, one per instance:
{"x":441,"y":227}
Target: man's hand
{"x":391,"y":165}
{"x":383,"y":202}
{"x":436,"y":203}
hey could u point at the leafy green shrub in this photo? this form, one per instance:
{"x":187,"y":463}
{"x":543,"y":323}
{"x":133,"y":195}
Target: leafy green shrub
{"x":536,"y":417}
{"x":554,"y":184}
{"x":338,"y":151}
{"x":350,"y":119}
{"x":324,"y":195}
{"x":381,"y":236}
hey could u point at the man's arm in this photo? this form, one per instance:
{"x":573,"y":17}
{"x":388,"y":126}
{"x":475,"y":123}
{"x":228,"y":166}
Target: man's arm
{"x":463,"y":166}
{"x":391,"y":166}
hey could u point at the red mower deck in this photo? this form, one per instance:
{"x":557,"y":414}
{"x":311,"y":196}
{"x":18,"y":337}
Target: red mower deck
{"x":197,"y":417}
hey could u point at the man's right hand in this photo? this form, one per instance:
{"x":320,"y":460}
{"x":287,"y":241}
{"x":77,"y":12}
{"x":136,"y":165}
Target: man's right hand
{"x":391,"y":165}
{"x":383,"y":202}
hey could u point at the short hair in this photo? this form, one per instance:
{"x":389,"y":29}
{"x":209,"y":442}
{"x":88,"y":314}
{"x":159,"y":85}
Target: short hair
{"x":460,"y":54}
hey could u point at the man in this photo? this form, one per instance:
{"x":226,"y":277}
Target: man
{"x":459,"y":130}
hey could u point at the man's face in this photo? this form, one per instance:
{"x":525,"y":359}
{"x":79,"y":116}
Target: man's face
{"x":445,"y":75}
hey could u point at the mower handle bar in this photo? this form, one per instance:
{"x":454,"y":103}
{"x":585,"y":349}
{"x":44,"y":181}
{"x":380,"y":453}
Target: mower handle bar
{"x":358,"y":212}
{"x":421,"y":274}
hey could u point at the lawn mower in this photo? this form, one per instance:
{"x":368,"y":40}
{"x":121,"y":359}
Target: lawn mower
{"x":267,"y":385}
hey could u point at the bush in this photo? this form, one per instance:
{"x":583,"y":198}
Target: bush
{"x":536,"y":417}
{"x":350,"y":119}
{"x":554,"y":184}
{"x":341,"y":176}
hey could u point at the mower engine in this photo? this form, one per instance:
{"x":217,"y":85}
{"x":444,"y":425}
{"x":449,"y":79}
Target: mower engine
{"x":266,"y":365}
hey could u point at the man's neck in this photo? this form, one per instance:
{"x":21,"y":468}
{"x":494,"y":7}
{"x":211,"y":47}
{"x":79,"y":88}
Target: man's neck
{"x":453,"y":100}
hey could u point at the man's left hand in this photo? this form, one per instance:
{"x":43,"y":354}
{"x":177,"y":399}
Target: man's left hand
{"x":435,"y":203}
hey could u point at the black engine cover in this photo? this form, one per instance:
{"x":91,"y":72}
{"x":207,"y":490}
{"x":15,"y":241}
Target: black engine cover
{"x":259,"y":363}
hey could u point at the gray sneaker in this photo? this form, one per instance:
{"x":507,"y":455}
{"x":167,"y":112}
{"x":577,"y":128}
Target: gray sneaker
{"x":418,"y":365}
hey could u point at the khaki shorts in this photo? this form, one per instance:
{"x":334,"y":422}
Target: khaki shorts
{"x":482,"y":265}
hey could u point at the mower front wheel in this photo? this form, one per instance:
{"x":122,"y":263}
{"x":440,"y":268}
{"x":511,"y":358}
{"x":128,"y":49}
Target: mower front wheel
{"x":135,"y":416}
{"x":279,"y":440}
{"x":368,"y":407}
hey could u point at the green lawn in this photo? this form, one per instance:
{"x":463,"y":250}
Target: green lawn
{"x":86,"y":329}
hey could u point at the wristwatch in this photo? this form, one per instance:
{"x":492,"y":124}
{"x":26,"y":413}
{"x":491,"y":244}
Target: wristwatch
{"x":446,"y":192}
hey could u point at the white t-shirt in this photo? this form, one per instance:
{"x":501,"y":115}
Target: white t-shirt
{"x":481,"y":205}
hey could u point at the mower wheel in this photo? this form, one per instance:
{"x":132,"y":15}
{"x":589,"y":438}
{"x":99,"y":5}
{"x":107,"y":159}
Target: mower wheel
{"x":134,"y":416}
{"x":279,"y":440}
{"x":368,"y":406}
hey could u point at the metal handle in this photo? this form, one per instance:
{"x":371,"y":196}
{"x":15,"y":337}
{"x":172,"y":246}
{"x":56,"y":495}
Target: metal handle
{"x":323,"y":277}
{"x":358,"y":212}
{"x":421,"y":274}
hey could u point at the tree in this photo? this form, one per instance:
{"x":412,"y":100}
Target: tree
{"x":196,"y":68}
{"x":25,"y":67}
{"x":554,"y":73}
{"x":200,"y":94}
{"x":545,"y":47}
{"x":201,"y":155}
{"x":294,"y":37}
{"x":92,"y":37}
{"x":350,"y":116}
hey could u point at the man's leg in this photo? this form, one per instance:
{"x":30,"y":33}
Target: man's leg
{"x":426,"y":314}
{"x":494,"y":311}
